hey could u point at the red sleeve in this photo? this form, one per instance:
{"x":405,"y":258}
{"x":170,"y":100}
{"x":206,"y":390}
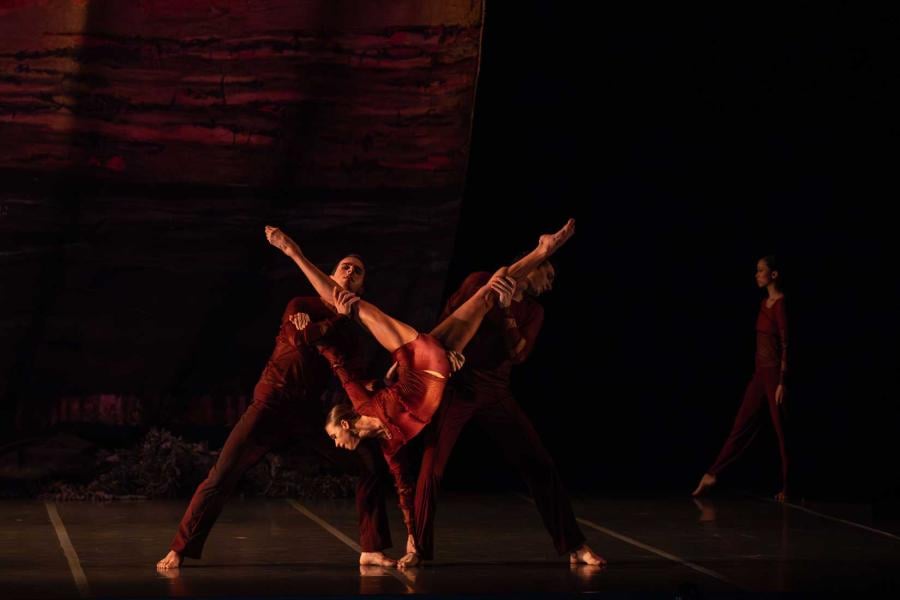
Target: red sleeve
{"x":353,"y":385}
{"x":519,"y":333}
{"x":398,"y":463}
{"x":313,"y":332}
{"x":528,"y":331}
{"x":782,"y":325}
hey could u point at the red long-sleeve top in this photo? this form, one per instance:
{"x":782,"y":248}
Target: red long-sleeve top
{"x":296,"y":370}
{"x":506,"y":336}
{"x":772,"y":337}
{"x":405,"y":406}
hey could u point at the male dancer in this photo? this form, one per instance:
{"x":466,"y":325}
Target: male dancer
{"x":481,"y":392}
{"x":295,"y":375}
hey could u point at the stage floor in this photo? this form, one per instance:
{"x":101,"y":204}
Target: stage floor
{"x":486,"y":545}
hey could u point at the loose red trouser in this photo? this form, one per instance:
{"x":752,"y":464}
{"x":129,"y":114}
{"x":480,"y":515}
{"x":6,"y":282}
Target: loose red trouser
{"x":489,"y":403}
{"x":760,"y":393}
{"x":260,"y":429}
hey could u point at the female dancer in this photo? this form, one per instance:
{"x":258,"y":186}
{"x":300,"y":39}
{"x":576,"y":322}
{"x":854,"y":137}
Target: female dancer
{"x":767,"y":387}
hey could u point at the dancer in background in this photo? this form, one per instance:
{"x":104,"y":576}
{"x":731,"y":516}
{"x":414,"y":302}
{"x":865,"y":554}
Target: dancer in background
{"x":767,"y":388}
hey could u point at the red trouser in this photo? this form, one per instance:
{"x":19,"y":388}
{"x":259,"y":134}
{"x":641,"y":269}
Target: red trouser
{"x":760,"y":391}
{"x":262,"y":428}
{"x":490,"y":404}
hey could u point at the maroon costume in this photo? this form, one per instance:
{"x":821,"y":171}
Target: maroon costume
{"x":770,"y":372}
{"x":405,"y":407}
{"x":481,"y":392}
{"x":294,"y":378}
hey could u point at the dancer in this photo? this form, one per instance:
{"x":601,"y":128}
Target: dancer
{"x":295,"y":375}
{"x":766,"y":387}
{"x":481,"y":392}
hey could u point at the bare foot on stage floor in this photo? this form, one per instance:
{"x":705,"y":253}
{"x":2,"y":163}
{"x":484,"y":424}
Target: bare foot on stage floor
{"x":377,"y":559}
{"x":706,"y":482}
{"x":584,"y":555}
{"x":172,"y":560}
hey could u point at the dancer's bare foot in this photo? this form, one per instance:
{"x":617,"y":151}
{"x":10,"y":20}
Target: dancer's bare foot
{"x":706,"y":482}
{"x":707,"y":510}
{"x":373,"y":571}
{"x":586,"y":572}
{"x":281,"y":240}
{"x":412,"y":559}
{"x":781,"y":496}
{"x":173,"y":575}
{"x":377,"y":559}
{"x":172,"y":560}
{"x":584,"y":555}
{"x":550,"y":243}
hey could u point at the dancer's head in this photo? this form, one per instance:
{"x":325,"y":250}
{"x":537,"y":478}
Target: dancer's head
{"x":340,"y":425}
{"x":350,"y":273}
{"x":541,"y":279}
{"x":768,"y":272}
